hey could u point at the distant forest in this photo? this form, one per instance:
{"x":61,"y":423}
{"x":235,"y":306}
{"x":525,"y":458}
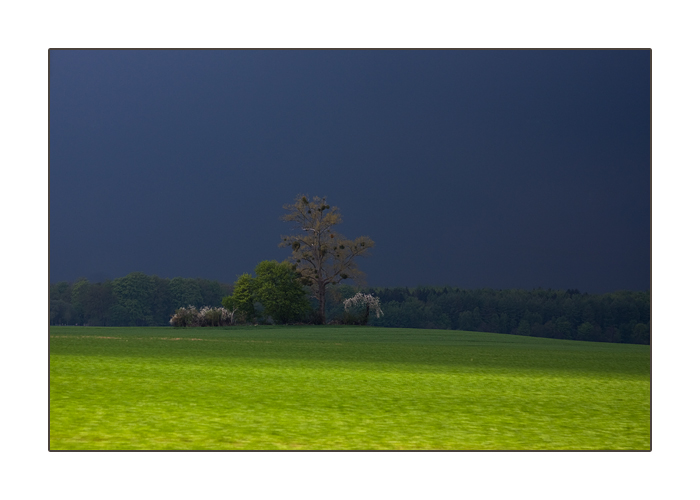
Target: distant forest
{"x":141,"y":300}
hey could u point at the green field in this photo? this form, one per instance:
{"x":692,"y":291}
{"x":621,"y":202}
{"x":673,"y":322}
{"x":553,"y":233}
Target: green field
{"x":342,"y":388}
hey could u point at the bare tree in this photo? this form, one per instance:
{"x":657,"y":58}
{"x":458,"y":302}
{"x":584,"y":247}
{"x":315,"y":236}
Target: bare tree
{"x":321,"y":255}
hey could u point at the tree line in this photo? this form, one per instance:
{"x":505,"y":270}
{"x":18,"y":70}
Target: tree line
{"x":133,"y":300}
{"x":622,"y":316}
{"x":273,"y":296}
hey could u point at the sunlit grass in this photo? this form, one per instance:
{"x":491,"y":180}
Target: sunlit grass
{"x":343,"y":388}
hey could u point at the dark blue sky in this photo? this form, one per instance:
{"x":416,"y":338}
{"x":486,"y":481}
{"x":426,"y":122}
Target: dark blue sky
{"x":502,"y":169}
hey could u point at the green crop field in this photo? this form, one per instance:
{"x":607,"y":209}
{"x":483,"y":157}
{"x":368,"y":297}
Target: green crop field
{"x":342,"y":388}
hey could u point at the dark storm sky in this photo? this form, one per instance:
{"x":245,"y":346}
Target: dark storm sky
{"x":500,"y":169}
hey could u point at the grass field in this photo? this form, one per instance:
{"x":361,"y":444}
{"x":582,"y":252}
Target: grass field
{"x":342,"y":388}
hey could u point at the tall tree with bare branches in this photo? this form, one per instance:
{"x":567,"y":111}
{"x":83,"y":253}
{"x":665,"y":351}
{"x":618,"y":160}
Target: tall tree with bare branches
{"x":322,"y":256}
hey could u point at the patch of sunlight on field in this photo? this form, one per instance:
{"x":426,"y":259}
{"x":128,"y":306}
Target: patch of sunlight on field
{"x":248,"y":395}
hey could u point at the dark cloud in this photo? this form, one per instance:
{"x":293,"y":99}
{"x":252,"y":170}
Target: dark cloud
{"x":504,"y":169}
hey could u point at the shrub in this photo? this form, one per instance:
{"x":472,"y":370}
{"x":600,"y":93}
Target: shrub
{"x":185,"y":316}
{"x":363,"y":302}
{"x":207,"y":316}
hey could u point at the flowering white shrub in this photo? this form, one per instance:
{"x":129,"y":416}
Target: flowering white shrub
{"x":369,"y":302}
{"x":185,"y":316}
{"x":207,"y":316}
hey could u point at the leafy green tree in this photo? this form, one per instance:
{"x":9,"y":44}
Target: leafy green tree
{"x":563,"y":328}
{"x":613,"y":334}
{"x":242,"y":300}
{"x":279,"y":290}
{"x":79,"y":296}
{"x":161,"y":304}
{"x":61,"y":312}
{"x":335,"y":297}
{"x":97,"y":303}
{"x":61,"y":291}
{"x":537,"y":330}
{"x":227,"y":303}
{"x":185,"y":292}
{"x":119,"y":316}
{"x":465,"y":320}
{"x":585,"y":331}
{"x":212,"y":292}
{"x":406,"y":314}
{"x":494,"y":323}
{"x":504,"y":323}
{"x":322,"y":256}
{"x":476,"y":319}
{"x":134,"y":295}
{"x":549,"y":329}
{"x":524,"y":327}
{"x":641,"y":334}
